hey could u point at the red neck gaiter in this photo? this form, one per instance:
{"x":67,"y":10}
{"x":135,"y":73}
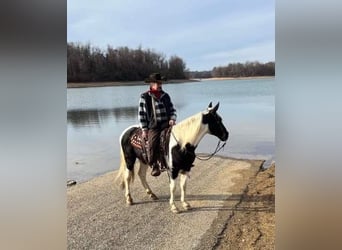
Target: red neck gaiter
{"x":156,"y":93}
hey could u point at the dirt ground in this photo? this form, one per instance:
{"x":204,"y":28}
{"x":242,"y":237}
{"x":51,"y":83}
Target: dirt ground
{"x":252,"y":225}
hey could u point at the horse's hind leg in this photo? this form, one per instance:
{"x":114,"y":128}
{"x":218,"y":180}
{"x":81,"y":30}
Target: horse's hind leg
{"x":183,"y":180}
{"x":127,"y":178}
{"x":142,"y":175}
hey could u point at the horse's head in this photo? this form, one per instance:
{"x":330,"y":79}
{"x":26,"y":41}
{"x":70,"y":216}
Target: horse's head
{"x":214,"y":121}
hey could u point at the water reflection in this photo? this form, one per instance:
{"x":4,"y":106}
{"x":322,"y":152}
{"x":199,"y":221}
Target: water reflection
{"x":91,"y":117}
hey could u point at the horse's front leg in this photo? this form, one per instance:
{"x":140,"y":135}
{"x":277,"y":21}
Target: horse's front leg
{"x":142,"y":175}
{"x":183,"y":180}
{"x":174,"y":209}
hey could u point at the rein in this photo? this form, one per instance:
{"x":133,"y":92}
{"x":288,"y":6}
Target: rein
{"x":218,"y":148}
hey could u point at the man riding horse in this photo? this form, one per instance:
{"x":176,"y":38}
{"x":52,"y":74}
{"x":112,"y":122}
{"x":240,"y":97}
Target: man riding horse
{"x":180,"y":156}
{"x":156,"y":112}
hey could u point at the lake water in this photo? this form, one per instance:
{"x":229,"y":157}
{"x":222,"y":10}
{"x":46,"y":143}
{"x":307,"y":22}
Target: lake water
{"x":97,"y":116}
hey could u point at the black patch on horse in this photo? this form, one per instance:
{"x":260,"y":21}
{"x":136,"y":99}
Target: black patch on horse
{"x":128,"y":150}
{"x":182,"y":159}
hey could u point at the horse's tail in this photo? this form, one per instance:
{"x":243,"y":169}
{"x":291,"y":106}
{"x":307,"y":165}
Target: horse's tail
{"x":123,"y":168}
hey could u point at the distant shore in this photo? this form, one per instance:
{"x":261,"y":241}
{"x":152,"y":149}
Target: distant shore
{"x":135,"y":83}
{"x":128,"y":83}
{"x":237,"y":78}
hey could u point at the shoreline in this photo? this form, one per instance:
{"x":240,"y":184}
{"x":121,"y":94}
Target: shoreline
{"x":265,"y":165}
{"x":137,"y":83}
{"x":128,"y":83}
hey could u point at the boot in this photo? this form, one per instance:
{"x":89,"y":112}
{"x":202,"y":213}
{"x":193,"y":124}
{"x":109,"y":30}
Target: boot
{"x":155,"y":170}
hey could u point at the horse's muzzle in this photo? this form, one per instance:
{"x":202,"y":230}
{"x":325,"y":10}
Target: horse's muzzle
{"x":225,"y":137}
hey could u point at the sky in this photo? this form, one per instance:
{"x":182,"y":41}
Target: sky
{"x":204,"y":33}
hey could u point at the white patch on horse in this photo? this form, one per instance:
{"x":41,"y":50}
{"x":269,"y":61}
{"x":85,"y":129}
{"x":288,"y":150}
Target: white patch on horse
{"x":190,"y":130}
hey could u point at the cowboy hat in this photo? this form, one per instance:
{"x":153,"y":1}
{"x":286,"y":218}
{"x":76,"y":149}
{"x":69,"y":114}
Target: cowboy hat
{"x":155,"y":77}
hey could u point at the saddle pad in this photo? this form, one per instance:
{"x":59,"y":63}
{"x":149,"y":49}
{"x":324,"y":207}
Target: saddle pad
{"x":136,"y":140}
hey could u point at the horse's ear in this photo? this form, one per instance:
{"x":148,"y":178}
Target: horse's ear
{"x":216,"y":107}
{"x":210,"y":105}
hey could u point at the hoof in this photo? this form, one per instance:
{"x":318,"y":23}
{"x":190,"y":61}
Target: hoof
{"x":186,"y":206}
{"x":129,"y":201}
{"x":174,"y":210}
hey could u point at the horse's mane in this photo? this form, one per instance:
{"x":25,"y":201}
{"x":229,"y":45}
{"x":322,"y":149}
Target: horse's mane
{"x":188,"y":129}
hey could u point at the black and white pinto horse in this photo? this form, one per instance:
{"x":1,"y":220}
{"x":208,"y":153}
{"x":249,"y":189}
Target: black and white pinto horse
{"x":185,"y":137}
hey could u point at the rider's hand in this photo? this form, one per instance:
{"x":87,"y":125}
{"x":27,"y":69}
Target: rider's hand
{"x":144,"y":135}
{"x":172,"y":123}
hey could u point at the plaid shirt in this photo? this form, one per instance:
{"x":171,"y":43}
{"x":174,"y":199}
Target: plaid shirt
{"x":145,"y":115}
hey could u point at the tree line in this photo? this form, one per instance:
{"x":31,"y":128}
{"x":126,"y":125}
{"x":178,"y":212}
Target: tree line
{"x":247,"y":69}
{"x":87,"y":63}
